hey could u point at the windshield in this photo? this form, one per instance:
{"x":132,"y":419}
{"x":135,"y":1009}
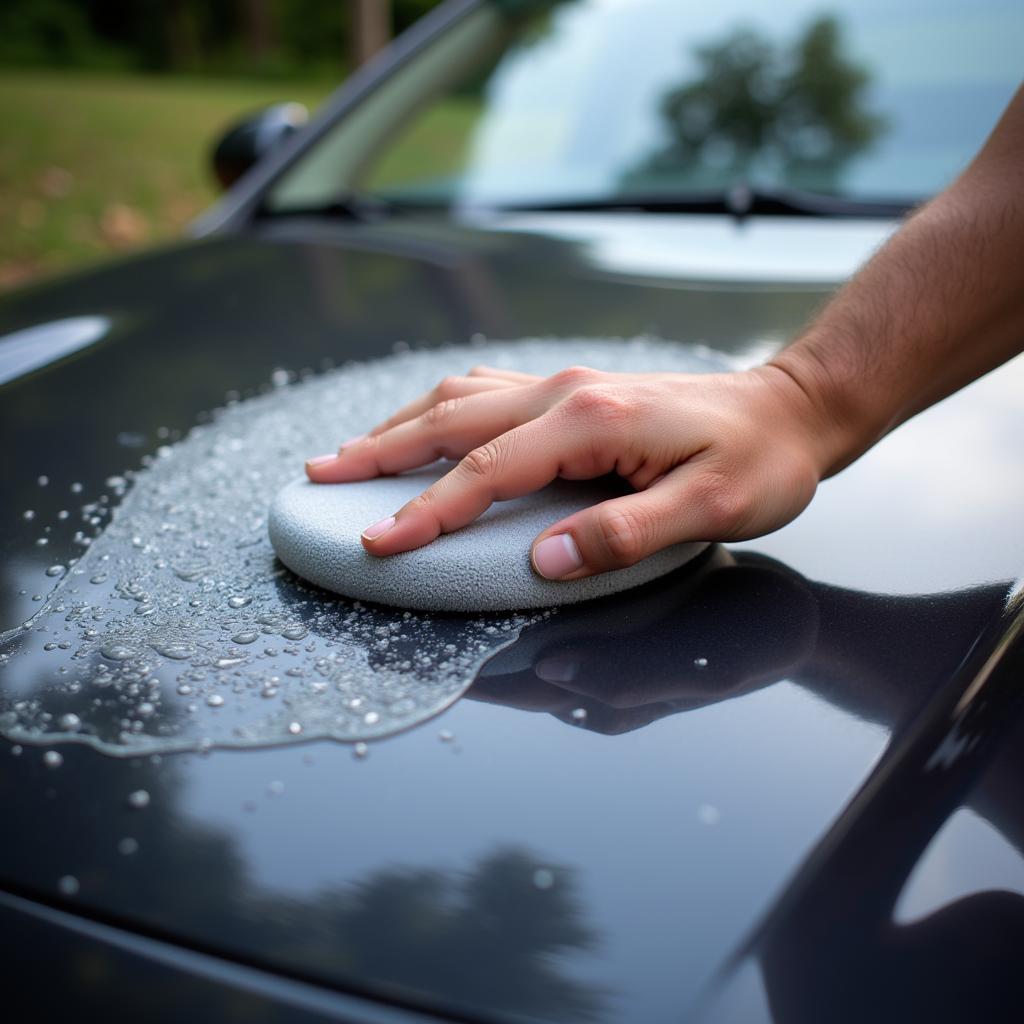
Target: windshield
{"x":605,"y":101}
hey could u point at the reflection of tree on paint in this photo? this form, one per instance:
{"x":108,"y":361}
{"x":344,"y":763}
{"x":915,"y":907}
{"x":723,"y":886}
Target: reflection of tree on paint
{"x":491,"y":936}
{"x":753,"y":104}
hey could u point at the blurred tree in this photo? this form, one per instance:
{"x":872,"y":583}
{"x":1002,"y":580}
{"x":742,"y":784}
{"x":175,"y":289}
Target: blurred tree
{"x":370,"y":30}
{"x":252,"y":37}
{"x":498,"y":933}
{"x":754,"y":104}
{"x":46,"y":32}
{"x":260,"y":28}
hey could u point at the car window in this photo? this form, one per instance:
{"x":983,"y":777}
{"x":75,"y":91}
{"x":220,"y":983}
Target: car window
{"x":602,"y":100}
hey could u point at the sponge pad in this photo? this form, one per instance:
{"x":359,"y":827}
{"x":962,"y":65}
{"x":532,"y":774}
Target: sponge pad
{"x":486,"y":566}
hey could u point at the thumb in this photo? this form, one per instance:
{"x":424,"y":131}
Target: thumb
{"x":617,"y":533}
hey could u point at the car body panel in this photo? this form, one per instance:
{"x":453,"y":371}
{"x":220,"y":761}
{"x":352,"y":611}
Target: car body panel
{"x":533,"y":867}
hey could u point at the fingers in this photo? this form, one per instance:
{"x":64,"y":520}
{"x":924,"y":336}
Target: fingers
{"x":450,"y":387}
{"x":513,"y":376}
{"x":517,"y":462}
{"x":445,"y":431}
{"x":684,"y":505}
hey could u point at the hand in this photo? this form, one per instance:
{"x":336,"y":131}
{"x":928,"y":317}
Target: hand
{"x":732,"y":625}
{"x":711,"y":457}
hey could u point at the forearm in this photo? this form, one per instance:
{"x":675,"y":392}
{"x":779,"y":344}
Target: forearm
{"x":939,"y":305}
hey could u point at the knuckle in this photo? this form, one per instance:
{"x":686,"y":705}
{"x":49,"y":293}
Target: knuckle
{"x":622,"y":535}
{"x":597,"y":403}
{"x":482,"y":463}
{"x":421,"y":503}
{"x":440,"y":415}
{"x":448,"y":387}
{"x":723,"y":501}
{"x":572,"y":377}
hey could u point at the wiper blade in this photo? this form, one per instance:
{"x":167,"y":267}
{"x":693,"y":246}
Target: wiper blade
{"x":739,"y":200}
{"x":352,"y":207}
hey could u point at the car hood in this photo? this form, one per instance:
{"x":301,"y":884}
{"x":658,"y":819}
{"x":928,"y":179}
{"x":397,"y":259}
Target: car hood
{"x":626,"y":791}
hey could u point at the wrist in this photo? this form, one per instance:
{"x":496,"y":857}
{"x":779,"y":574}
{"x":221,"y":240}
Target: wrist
{"x":837,"y":431}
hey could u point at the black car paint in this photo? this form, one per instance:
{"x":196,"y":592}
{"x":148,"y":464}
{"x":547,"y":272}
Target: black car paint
{"x":723,"y":840}
{"x":807,"y":684}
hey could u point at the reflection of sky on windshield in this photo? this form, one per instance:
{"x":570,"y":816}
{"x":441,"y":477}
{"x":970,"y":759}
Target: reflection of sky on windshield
{"x":574,"y":111}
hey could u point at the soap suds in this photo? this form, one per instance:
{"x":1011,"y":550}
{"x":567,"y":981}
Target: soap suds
{"x":177,"y":629}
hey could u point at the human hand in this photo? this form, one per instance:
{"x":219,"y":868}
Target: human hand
{"x":710,"y":456}
{"x":736,"y":623}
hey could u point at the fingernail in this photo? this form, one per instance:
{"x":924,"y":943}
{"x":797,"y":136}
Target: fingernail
{"x":352,"y":441}
{"x":321,"y":460}
{"x":557,"y":556}
{"x":373,"y":532}
{"x":556,"y":669}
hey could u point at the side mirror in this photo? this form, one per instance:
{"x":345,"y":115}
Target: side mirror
{"x":248,"y":140}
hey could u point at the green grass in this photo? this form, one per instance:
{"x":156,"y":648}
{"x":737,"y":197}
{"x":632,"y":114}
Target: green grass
{"x":92,"y":164}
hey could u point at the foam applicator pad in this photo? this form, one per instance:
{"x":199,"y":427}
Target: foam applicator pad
{"x":485,"y":566}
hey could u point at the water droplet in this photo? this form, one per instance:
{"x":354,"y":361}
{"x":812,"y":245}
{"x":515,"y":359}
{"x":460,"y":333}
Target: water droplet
{"x":127,"y":846}
{"x":63,"y":514}
{"x":279,"y":378}
{"x":360,"y":750}
{"x":195,"y":518}
{"x":138,"y":799}
{"x":215,"y":700}
{"x":701,"y":662}
{"x":238,"y":602}
{"x":276,"y":788}
{"x":116,"y":650}
{"x":445,"y":736}
{"x":28,"y":515}
{"x":42,"y":480}
{"x":16,"y":750}
{"x":76,"y":488}
{"x":41,"y":542}
{"x":53,"y":759}
{"x":145,"y":709}
{"x":579,"y":714}
{"x":175,"y":651}
{"x":184,"y":689}
{"x":543,"y":878}
{"x":708,"y":814}
{"x":68,"y":885}
{"x":70,"y":722}
{"x":56,"y":570}
{"x":294,"y":728}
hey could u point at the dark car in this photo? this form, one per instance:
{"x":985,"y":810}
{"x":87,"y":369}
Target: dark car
{"x":781,"y":783}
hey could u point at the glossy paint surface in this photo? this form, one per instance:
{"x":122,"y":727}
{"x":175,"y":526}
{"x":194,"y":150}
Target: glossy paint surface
{"x":625,"y":793}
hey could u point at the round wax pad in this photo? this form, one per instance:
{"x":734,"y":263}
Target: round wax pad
{"x":485,"y":566}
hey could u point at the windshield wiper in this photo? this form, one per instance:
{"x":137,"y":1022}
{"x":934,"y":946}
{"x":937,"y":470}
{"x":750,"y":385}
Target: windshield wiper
{"x":354,"y":207}
{"x":739,"y":200}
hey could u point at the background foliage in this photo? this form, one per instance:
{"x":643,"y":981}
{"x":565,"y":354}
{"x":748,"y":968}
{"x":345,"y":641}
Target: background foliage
{"x":286,"y":38}
{"x":110,"y":108}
